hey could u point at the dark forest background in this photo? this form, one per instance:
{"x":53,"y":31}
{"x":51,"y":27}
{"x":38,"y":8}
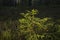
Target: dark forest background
{"x":44,"y":6}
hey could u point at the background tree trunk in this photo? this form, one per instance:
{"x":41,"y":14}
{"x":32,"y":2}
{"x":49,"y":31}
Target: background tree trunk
{"x":1,"y":2}
{"x":30,"y":3}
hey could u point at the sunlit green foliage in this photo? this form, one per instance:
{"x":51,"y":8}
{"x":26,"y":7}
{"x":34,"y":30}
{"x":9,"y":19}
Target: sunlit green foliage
{"x":34,"y":28}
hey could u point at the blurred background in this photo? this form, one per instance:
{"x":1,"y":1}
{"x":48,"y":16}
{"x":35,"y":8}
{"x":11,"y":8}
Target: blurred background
{"x":49,"y":8}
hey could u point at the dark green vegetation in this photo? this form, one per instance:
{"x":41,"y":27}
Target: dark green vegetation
{"x":28,"y":27}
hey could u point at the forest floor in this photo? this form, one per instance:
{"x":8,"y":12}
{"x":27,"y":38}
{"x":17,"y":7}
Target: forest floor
{"x":44,"y":11}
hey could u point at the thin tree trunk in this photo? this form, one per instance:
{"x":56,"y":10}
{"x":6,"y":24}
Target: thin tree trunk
{"x":30,"y":3}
